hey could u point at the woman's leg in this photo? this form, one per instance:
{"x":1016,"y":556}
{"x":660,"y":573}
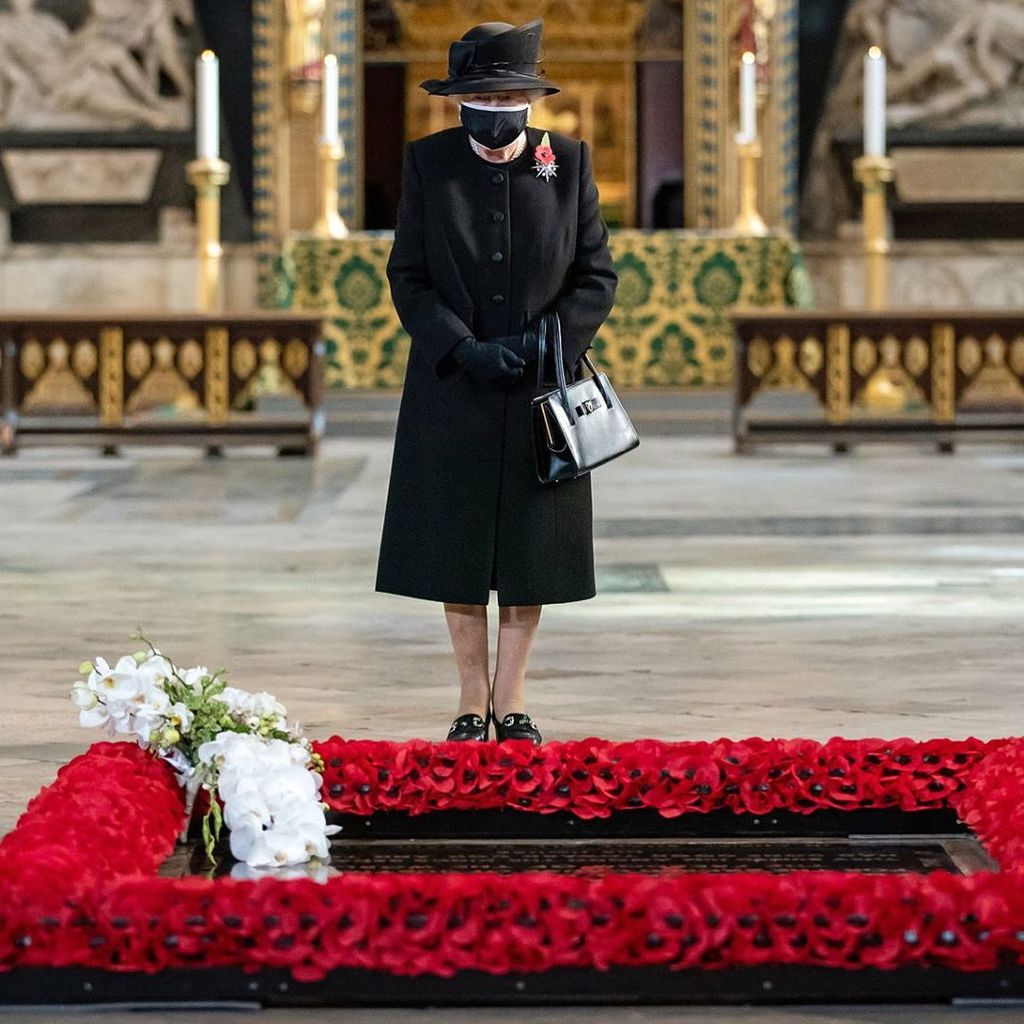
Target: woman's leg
{"x":517,"y":626}
{"x":467,"y":626}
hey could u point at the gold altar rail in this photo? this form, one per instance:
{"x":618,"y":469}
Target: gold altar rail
{"x":92,"y":379}
{"x":936,"y":360}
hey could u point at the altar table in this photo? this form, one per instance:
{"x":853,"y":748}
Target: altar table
{"x":936,"y":369}
{"x":109,"y":379}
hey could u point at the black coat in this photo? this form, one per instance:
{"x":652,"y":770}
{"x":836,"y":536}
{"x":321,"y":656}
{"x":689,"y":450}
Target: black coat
{"x":482,"y":249}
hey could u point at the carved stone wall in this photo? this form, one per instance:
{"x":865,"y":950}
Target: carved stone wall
{"x":922,"y":274}
{"x":108,"y":64}
{"x":954,"y":65}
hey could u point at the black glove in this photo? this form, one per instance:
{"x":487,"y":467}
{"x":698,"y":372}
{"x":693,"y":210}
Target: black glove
{"x":488,"y":362}
{"x":528,"y":346}
{"x":524,"y":345}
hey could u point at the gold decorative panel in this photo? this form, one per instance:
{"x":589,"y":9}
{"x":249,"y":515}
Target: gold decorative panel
{"x":190,"y":358}
{"x":138,"y":359}
{"x":1017,"y":356}
{"x":969,"y":356}
{"x":58,"y":384}
{"x":243,"y":358}
{"x":84,"y":359}
{"x":865,"y":356}
{"x":33,"y":359}
{"x":597,"y":25}
{"x":811,"y":357}
{"x":161,"y":382}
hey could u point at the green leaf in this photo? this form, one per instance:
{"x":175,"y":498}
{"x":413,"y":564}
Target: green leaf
{"x":218,"y":818}
{"x":207,"y":836}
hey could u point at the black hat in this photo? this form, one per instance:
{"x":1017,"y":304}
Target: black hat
{"x":493,"y":57}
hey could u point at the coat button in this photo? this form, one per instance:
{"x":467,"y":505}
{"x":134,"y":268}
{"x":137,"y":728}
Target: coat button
{"x":497,"y":299}
{"x":498,"y":178}
{"x":497,"y":216}
{"x":497,"y":257}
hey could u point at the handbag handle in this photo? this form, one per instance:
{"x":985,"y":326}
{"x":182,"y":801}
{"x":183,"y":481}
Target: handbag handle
{"x":542,"y":329}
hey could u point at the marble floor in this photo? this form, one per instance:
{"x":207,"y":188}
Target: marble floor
{"x":786,"y":593}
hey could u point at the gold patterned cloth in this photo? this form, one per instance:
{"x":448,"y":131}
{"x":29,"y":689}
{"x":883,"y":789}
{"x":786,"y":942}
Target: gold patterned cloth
{"x":670,"y":325}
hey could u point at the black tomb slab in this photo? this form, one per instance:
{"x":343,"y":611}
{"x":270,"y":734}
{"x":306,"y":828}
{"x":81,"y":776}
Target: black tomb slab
{"x":643,"y":842}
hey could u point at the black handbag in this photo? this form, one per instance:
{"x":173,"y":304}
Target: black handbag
{"x":580,"y":425}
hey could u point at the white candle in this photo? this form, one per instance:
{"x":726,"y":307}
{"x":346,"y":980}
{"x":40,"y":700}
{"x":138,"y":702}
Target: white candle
{"x":329,"y":99}
{"x":874,"y":102}
{"x":208,"y":106}
{"x":748,"y":97}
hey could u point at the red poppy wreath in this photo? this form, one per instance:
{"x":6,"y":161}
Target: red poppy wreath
{"x":79,"y":884}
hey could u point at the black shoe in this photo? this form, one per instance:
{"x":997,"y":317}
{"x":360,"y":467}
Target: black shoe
{"x":468,"y":727}
{"x":516,"y":726}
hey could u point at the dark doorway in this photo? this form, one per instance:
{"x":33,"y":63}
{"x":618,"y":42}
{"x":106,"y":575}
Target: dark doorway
{"x":659,"y":97}
{"x":383,"y":139}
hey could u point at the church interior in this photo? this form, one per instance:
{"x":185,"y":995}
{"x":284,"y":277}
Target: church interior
{"x":815,"y":210}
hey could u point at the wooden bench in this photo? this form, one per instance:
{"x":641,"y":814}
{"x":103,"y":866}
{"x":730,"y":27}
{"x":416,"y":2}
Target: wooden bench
{"x":111,"y":379}
{"x":941,"y":360}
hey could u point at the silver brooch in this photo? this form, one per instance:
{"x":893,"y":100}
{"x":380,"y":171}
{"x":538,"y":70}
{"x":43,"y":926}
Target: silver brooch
{"x":544,"y":159}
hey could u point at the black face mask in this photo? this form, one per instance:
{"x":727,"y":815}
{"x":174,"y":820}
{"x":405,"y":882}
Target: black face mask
{"x":494,"y":127}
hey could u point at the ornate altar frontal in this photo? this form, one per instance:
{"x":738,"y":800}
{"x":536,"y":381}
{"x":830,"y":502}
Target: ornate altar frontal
{"x":670,"y":325}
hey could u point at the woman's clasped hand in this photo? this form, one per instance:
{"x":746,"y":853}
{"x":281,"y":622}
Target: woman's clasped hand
{"x":488,"y":362}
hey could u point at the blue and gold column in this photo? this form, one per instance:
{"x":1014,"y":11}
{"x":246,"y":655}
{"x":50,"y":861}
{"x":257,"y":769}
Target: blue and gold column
{"x":711,"y":73}
{"x":345,"y":17}
{"x":284,"y":103}
{"x":268,"y":112}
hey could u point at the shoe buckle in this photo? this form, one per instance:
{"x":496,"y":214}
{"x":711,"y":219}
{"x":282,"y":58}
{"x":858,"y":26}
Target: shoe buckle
{"x":476,"y":721}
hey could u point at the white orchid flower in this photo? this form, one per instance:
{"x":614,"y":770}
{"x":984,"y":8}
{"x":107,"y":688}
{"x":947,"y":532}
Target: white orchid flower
{"x":84,"y":696}
{"x":156,"y":668}
{"x":180,"y":717}
{"x":97,"y":718}
{"x":317,"y":872}
{"x":117,"y":682}
{"x":193,"y":677}
{"x":277,"y":848}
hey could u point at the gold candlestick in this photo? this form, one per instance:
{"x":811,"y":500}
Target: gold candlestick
{"x":886,"y":390}
{"x":874,"y":172}
{"x":208,"y":175}
{"x":329,"y":224}
{"x":748,"y":220}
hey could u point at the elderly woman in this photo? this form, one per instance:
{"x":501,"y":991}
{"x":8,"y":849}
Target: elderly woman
{"x":494,"y":230}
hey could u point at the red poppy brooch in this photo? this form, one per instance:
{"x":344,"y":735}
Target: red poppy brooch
{"x":544,"y":159}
